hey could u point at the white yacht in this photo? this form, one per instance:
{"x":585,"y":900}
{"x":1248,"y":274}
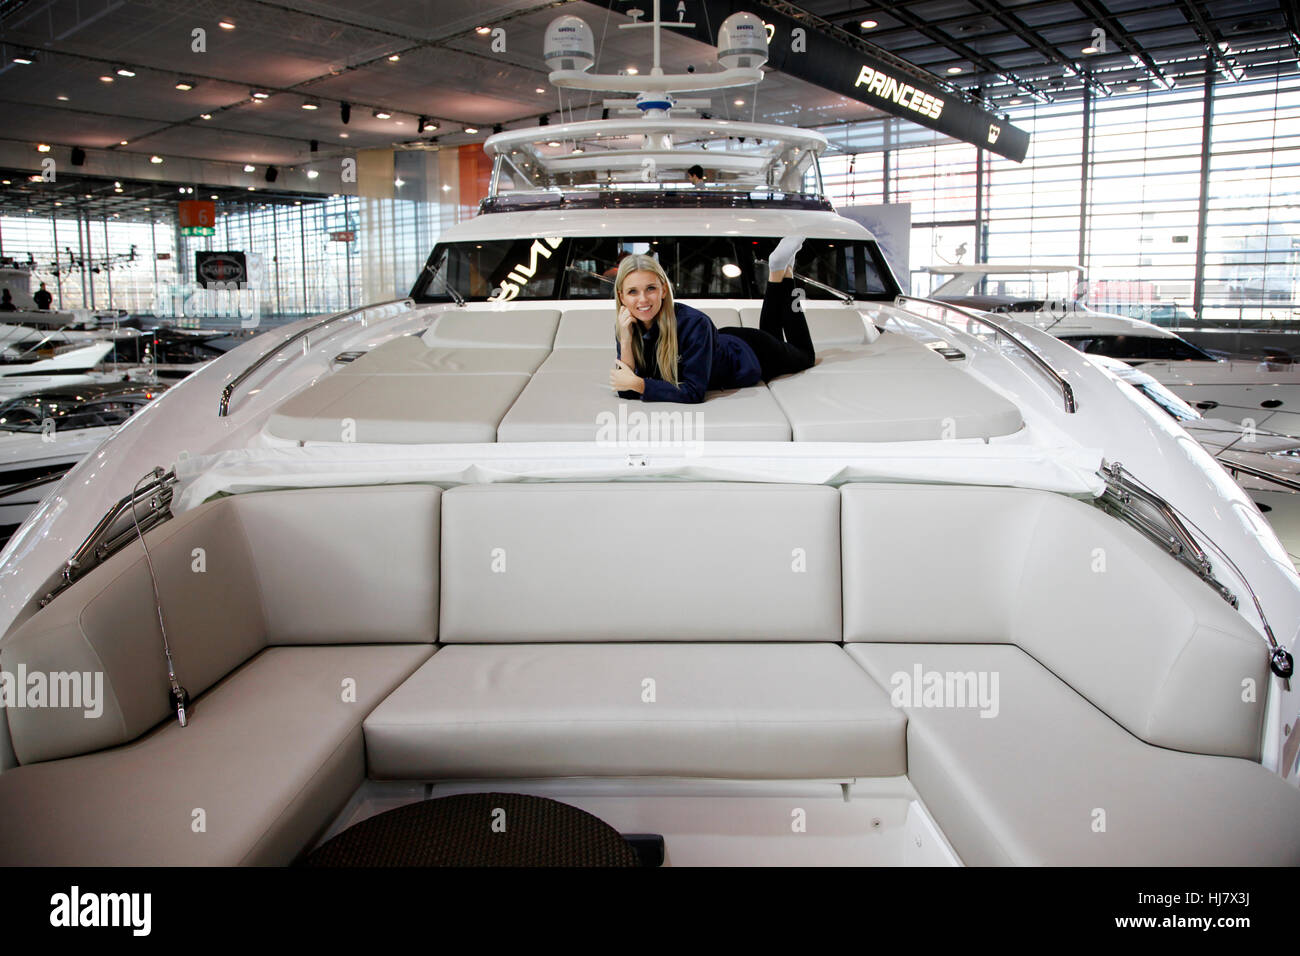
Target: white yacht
{"x":1253,"y":394}
{"x":951,"y":596}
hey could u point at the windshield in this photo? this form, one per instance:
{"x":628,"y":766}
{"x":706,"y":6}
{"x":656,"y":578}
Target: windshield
{"x":1139,"y":347}
{"x":29,"y":413}
{"x":699,"y":267}
{"x":1167,"y":400}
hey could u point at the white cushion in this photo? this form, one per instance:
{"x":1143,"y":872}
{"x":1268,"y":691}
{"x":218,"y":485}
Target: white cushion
{"x":674,"y":561}
{"x":720,"y":710}
{"x":271,"y":756}
{"x":893,"y":405}
{"x":829,"y":325}
{"x":405,"y":409}
{"x":409,"y":355}
{"x":1030,"y":786}
{"x":519,"y":328}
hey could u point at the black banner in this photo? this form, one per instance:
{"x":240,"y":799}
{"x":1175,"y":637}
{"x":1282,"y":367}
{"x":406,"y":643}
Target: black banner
{"x":817,"y":58}
{"x":218,"y":270}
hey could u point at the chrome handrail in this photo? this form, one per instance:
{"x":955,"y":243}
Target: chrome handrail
{"x":1067,"y":390}
{"x":1236,"y":466}
{"x":103,"y":541}
{"x":223,"y":407}
{"x":1117,"y":499}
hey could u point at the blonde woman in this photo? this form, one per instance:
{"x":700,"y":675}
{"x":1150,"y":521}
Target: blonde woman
{"x":669,"y":352}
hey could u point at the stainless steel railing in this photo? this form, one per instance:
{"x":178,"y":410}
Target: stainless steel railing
{"x":117,"y":528}
{"x":223,"y":407}
{"x":969,"y":315}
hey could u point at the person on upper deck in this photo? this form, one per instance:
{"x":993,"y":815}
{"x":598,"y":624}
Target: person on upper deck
{"x":669,"y":352}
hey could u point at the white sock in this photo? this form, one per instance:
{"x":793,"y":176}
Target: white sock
{"x":782,"y":257}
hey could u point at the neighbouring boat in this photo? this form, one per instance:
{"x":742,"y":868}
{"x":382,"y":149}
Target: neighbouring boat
{"x":951,"y":596}
{"x":1255,"y":394}
{"x":44,"y":434}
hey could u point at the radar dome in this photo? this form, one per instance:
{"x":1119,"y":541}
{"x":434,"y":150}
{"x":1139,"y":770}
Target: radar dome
{"x":742,"y":42}
{"x":569,"y":44}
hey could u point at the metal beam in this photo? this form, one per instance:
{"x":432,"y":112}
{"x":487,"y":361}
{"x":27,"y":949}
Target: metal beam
{"x":1023,"y":31}
{"x":1131,"y":46}
{"x":1203,"y":206}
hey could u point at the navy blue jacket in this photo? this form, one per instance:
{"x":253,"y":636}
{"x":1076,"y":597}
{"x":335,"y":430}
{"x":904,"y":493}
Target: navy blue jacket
{"x":705,"y":360}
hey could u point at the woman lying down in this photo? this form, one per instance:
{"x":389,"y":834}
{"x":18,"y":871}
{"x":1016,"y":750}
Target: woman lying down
{"x":669,"y":352}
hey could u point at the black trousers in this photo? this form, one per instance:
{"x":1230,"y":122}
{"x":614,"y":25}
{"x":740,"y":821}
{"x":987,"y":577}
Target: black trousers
{"x":782,"y":341}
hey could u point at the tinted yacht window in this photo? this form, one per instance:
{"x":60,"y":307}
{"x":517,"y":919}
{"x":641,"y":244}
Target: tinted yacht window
{"x":495,"y":268}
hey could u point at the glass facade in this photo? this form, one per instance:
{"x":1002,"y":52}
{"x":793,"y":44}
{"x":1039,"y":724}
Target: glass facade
{"x":1114,"y":184}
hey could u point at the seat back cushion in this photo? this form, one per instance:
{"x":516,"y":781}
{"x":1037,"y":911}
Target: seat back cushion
{"x":346,"y":565}
{"x":1088,"y":597}
{"x":105,"y":629}
{"x":1139,"y":635}
{"x":640,"y":561}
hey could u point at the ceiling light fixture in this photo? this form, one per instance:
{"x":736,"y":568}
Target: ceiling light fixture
{"x":61,"y":98}
{"x":206,"y":116}
{"x":311,"y":105}
{"x":631,"y":71}
{"x":954,"y":69}
{"x":26,"y":59}
{"x":106,"y":79}
{"x":343,"y":135}
{"x":739,"y":102}
{"x":42,"y":147}
{"x":156,"y":160}
{"x":249,"y":167}
{"x":868,"y":24}
{"x":259,"y":94}
{"x":123,"y":71}
{"x":399,"y":182}
{"x":122,"y":143}
{"x":394,"y":58}
{"x":184,"y":85}
{"x":482,"y":31}
{"x":227,"y":24}
{"x":539,"y":90}
{"x":471,"y":130}
{"x":381,"y":114}
{"x":313,"y":173}
{"x":1090,"y":49}
{"x":1015,"y":101}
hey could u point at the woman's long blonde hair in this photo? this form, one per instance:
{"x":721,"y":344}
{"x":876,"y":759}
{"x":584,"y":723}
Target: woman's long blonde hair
{"x":667,"y":318}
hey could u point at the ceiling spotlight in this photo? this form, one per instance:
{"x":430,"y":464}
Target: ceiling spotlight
{"x":739,"y":102}
{"x":213,"y":196}
{"x":471,"y":130}
{"x":227,"y":24}
{"x":424,"y":123}
{"x":252,"y":189}
{"x":482,"y":31}
{"x":156,"y":160}
{"x":42,"y":147}
{"x":205,"y":116}
{"x":34,"y":178}
{"x":184,"y":85}
{"x":1133,"y":87}
{"x":1090,"y":49}
{"x":249,"y":167}
{"x":631,"y":71}
{"x":343,"y":135}
{"x":868,"y":24}
{"x":553,"y":143}
{"x":345,"y":112}
{"x":123,"y":71}
{"x":311,"y":104}
{"x":1015,"y":101}
{"x":259,"y":94}
{"x":446,"y":188}
{"x":399,"y":182}
{"x":61,"y":98}
{"x":954,"y":69}
{"x":106,"y":79}
{"x":539,"y":90}
{"x":117,"y":184}
{"x":381,"y":114}
{"x":26,"y":59}
{"x":313,"y":173}
{"x":394,"y":58}
{"x":122,"y":143}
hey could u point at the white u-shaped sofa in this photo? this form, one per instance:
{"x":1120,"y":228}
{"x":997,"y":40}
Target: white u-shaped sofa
{"x":650,"y":629}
